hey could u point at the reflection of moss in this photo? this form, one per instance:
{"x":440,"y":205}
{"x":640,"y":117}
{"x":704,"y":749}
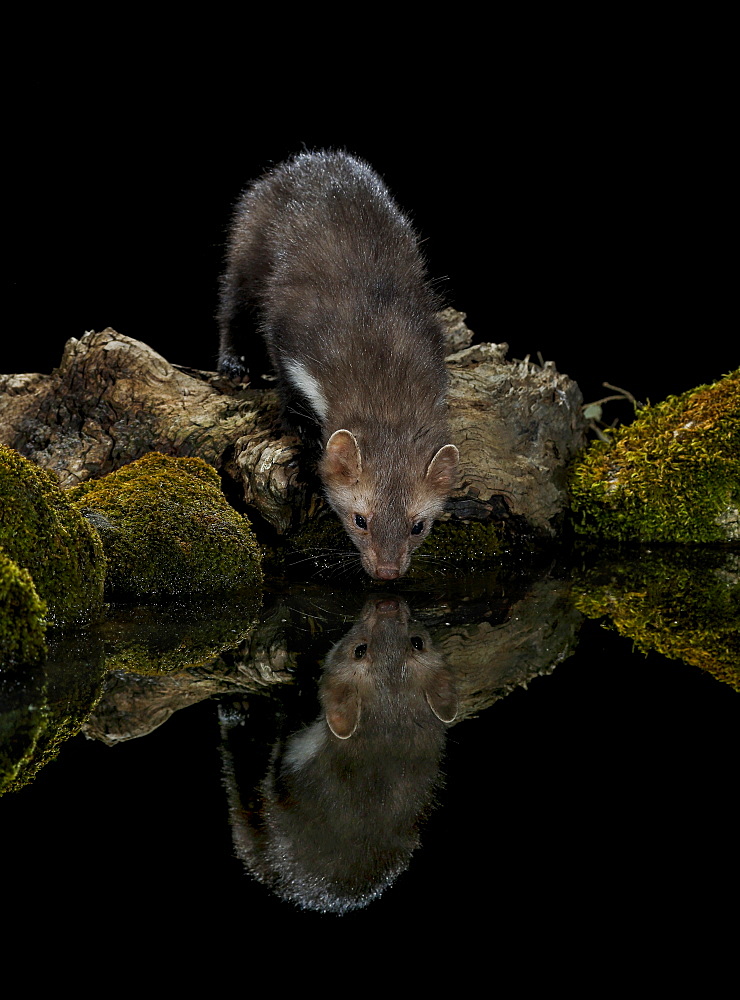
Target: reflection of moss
{"x":43,"y":533}
{"x":682,"y":603}
{"x":167,"y":529}
{"x":165,"y":637}
{"x":45,"y":706}
{"x":21,"y":615}
{"x":671,"y":476}
{"x":22,"y":720}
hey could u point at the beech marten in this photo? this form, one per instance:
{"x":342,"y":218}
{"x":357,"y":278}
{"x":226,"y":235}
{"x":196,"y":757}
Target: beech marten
{"x":340,"y":810}
{"x":332,"y":266}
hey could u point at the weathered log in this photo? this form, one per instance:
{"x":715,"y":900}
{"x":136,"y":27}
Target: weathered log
{"x":113,"y":399}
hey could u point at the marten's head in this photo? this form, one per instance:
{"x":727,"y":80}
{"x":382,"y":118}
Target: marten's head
{"x":386,"y":501}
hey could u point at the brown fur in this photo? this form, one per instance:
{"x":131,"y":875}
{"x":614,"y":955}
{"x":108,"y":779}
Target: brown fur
{"x":341,"y":807}
{"x":322,"y":251}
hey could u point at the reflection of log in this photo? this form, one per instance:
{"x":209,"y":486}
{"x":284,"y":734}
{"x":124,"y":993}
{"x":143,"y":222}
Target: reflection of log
{"x":135,"y":706}
{"x":489,"y":661}
{"x":113,"y":399}
{"x":488,"y":657}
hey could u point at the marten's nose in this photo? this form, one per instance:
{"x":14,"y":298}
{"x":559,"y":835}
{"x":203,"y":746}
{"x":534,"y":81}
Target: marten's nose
{"x":387,"y":572}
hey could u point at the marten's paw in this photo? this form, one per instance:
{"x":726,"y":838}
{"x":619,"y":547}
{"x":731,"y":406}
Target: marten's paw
{"x":233,"y":367}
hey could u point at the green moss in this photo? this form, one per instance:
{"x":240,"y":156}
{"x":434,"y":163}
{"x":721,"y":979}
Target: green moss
{"x":47,"y":705}
{"x":682,"y":603}
{"x":463,"y":542}
{"x":43,"y":533}
{"x":22,"y":720}
{"x":671,"y":476}
{"x":167,"y":529}
{"x":22,"y":615}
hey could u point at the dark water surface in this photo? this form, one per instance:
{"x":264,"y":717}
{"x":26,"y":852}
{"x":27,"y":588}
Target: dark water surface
{"x":607,"y":783}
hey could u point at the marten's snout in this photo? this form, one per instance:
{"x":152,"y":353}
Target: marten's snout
{"x":387,"y":572}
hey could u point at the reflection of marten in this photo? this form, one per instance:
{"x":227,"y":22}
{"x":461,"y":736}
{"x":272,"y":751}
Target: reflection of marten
{"x":322,"y":252}
{"x":342,"y":802}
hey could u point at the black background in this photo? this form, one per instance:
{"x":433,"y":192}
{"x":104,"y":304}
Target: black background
{"x":593,"y":810}
{"x":582,"y":218}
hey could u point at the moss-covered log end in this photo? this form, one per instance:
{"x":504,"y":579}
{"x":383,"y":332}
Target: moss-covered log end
{"x":671,"y":476}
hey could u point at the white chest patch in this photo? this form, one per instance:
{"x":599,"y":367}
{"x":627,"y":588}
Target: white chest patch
{"x":304,"y":381}
{"x":300,"y":749}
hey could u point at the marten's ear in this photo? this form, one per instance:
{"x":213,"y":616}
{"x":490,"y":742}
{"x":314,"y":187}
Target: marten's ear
{"x":442,"y":470}
{"x":342,"y":707}
{"x":342,"y":458}
{"x":441,"y":696}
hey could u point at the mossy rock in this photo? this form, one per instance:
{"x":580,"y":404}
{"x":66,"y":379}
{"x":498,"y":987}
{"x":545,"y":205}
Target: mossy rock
{"x":44,"y":534}
{"x":671,"y":476}
{"x":22,"y":615}
{"x":168,"y":530}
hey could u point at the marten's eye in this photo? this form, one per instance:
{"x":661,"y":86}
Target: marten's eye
{"x":417,"y":528}
{"x":417,"y":642}
{"x":360,"y":522}
{"x":360,"y":650}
